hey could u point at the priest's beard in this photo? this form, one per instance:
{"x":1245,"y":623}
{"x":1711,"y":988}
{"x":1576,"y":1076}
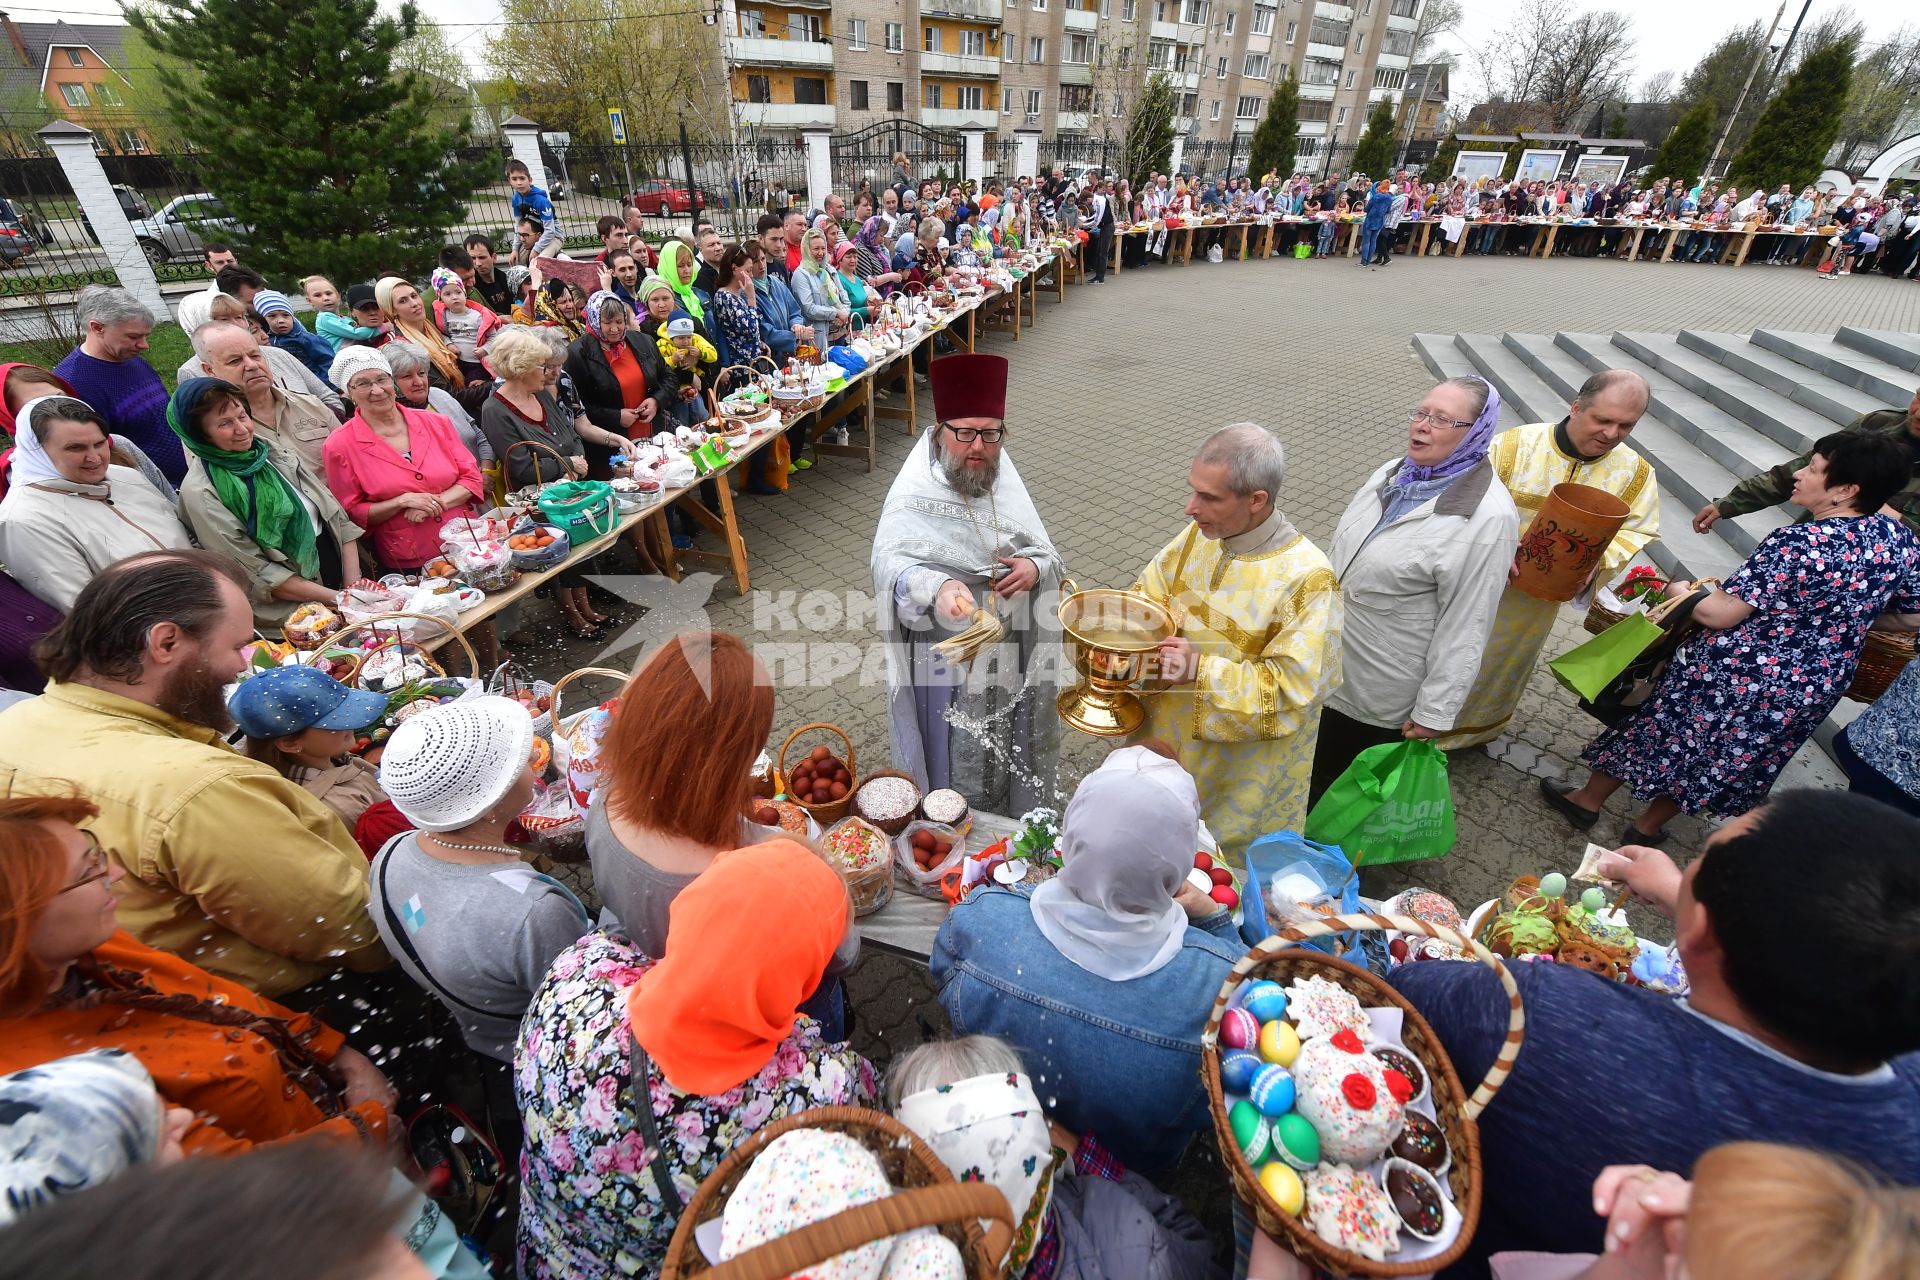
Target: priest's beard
{"x":966,"y":481}
{"x":195,"y":694}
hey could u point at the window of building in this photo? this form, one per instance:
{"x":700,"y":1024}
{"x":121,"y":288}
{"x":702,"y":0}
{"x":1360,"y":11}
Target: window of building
{"x":1318,"y":72}
{"x":1220,"y":68}
{"x":74,"y":59}
{"x":1360,"y":43}
{"x":1036,"y":50}
{"x":1076,"y":97}
{"x":1340,"y":118}
{"x":1306,"y":147}
{"x":1291,"y":28}
{"x":969,"y":97}
{"x":1366,"y":7}
{"x":1328,"y":31}
{"x":1315,"y":112}
{"x":1125,"y":57}
{"x":973,"y":43}
{"x":1350,"y":76}
{"x":1385,"y":79}
{"x":1404,"y":8}
{"x":857,"y":90}
{"x":930,"y":39}
{"x":1194,"y":11}
{"x":1100,"y":53}
{"x":1006,"y":48}
{"x":933,"y":95}
{"x":811,"y":90}
{"x":856,"y":33}
{"x":133,"y":142}
{"x":109,"y":96}
{"x":1039,"y":6}
{"x":1231,"y":15}
{"x":1215,"y":114}
{"x":753,"y":23}
{"x":896,"y":96}
{"x":1079,"y":49}
{"x":1127,"y":9}
{"x":896,"y":37}
{"x":1006,"y":101}
{"x":1119,"y":104}
{"x":1159,"y":55}
{"x":803,"y":26}
{"x":1106,"y":8}
{"x":1257,"y":66}
{"x":1189,"y":104}
{"x":1397,"y":43}
{"x":1262,"y":20}
{"x":758,"y":90}
{"x":1033,"y":103}
{"x":1159,"y":10}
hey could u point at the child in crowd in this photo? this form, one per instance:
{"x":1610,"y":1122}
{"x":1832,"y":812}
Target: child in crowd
{"x":320,"y":294}
{"x":285,"y":331}
{"x":303,"y":723}
{"x":530,"y":201}
{"x":685,"y":351}
{"x":467,"y":326}
{"x":360,"y":325}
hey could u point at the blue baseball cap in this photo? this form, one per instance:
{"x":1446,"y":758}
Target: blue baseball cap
{"x":288,"y":700}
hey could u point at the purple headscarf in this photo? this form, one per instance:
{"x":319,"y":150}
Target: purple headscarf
{"x":1465,"y":456}
{"x":592,"y":314}
{"x":869,"y":233}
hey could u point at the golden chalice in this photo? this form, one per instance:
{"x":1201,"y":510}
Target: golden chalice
{"x":1112,"y":634}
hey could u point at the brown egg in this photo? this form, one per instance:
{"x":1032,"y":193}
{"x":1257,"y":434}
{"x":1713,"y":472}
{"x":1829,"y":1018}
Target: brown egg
{"x":821,"y":753}
{"x":842,"y":776}
{"x":922,"y":840}
{"x":838,"y":791}
{"x":767,"y":816}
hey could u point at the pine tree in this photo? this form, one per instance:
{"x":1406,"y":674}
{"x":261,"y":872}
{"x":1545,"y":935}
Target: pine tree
{"x":1441,"y":166}
{"x":1374,"y":155}
{"x":1684,"y":154}
{"x":1278,"y":136}
{"x":302,"y":127}
{"x":1150,"y":132}
{"x":1790,"y":141}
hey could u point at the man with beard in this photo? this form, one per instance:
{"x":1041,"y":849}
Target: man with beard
{"x":959,"y":535}
{"x":228,"y":864}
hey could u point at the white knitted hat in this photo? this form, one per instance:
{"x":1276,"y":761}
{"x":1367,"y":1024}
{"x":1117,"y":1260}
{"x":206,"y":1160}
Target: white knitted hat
{"x":354,"y":359}
{"x":446,"y":767}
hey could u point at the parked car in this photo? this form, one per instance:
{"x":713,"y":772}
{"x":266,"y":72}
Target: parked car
{"x":182,"y":227}
{"x":132,"y":203}
{"x":664,"y":198}
{"x":16,"y":241}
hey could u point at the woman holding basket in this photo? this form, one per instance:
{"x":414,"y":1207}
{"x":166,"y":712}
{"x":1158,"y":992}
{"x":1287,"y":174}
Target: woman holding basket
{"x":399,"y":473}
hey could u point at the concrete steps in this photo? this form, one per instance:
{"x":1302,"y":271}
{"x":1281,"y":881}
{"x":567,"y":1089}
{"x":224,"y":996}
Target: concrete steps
{"x":1883,"y":381}
{"x":1899,"y":349}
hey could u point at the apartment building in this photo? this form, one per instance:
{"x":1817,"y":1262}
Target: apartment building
{"x":1066,"y":68}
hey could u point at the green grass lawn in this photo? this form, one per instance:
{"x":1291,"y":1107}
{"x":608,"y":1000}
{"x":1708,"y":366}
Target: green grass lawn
{"x":168,"y":348}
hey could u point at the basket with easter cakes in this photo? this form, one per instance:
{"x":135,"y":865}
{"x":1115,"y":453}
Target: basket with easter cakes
{"x":1541,"y":920}
{"x":1341,"y":1120}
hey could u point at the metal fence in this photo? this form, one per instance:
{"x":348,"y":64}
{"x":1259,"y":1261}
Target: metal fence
{"x":869,"y":155}
{"x":46,"y":243}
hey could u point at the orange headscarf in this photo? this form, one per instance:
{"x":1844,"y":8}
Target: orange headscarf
{"x":747,"y":941}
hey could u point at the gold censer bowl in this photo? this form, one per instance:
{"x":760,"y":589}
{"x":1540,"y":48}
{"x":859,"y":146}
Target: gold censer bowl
{"x":1113,"y":632}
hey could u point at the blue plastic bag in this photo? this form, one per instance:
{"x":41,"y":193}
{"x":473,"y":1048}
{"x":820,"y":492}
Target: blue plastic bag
{"x":847,"y":358}
{"x":1326,"y":864}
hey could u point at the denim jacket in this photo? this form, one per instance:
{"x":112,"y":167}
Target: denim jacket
{"x":778,"y":314}
{"x":1118,"y":1059}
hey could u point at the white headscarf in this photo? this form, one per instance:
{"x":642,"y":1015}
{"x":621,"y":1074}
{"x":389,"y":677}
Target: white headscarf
{"x":991,"y":1129}
{"x":1127,"y":843}
{"x":31,"y":461}
{"x":72,"y":1124}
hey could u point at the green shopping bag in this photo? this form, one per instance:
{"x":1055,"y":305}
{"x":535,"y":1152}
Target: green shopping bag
{"x":582,"y":508}
{"x":1588,"y":669}
{"x":1391,"y":805}
{"x":1303,"y":251}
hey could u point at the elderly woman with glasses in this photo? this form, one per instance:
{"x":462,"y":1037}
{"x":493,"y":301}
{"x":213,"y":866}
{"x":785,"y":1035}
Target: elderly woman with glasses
{"x":1422,"y":555}
{"x":400,"y":473}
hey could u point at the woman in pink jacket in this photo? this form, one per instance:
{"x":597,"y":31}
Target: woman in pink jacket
{"x":400,"y":473}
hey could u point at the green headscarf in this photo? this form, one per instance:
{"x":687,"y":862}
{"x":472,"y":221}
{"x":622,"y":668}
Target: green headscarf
{"x":670,"y":255}
{"x":249,"y":485}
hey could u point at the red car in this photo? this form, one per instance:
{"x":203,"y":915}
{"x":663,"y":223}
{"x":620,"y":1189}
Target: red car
{"x":666,"y":198}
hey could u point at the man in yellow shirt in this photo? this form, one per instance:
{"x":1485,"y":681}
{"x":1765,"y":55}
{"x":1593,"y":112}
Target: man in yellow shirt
{"x":228,"y":864}
{"x":1257,"y":651}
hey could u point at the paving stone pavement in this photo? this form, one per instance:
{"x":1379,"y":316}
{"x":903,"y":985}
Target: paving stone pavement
{"x":1110,"y":394}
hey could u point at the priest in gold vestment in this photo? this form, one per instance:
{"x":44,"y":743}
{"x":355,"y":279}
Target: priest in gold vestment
{"x":1585,"y":447}
{"x":1258,"y":645}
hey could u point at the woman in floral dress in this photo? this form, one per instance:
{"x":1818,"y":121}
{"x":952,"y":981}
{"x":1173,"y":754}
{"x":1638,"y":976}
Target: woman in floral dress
{"x":719,"y":1044}
{"x":1780,"y":642}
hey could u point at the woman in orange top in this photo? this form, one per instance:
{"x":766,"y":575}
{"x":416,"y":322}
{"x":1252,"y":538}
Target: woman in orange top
{"x":71,"y":980}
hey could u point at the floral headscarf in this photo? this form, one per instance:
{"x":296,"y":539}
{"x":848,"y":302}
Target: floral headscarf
{"x":991,"y":1129}
{"x":591,"y":316}
{"x":546,"y":309}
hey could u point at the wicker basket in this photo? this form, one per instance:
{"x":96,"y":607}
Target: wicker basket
{"x":1278,"y":960}
{"x":925,"y":1194}
{"x":425,"y":645}
{"x":1885,"y":656}
{"x":505,"y":680}
{"x":898,"y":825}
{"x":566,"y":841}
{"x":831,"y":812}
{"x":1599,"y":617}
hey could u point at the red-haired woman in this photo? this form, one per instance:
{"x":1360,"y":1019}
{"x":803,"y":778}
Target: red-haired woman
{"x":649,"y":841}
{"x":71,"y":980}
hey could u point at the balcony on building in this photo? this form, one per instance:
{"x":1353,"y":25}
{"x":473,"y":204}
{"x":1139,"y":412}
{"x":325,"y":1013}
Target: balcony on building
{"x":1072,"y":121}
{"x":1081,"y":19}
{"x":1168,"y":31}
{"x":1316,"y":92}
{"x":1333,"y":12}
{"x":1313,"y":129}
{"x":965,"y":65}
{"x":772,"y":51}
{"x":1392,"y":61}
{"x":987,"y":12}
{"x":1383,"y":95}
{"x":960,"y":117}
{"x":788,"y":115}
{"x":1075,"y":73}
{"x":1326,"y":52}
{"x":1188,"y":80}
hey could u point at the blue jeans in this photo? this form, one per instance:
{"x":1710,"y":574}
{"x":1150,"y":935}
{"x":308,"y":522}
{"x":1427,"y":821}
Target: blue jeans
{"x":1327,"y":230}
{"x":1369,"y":241}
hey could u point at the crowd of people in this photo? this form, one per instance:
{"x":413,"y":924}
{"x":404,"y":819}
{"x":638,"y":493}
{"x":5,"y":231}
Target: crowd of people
{"x":223,"y":938}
